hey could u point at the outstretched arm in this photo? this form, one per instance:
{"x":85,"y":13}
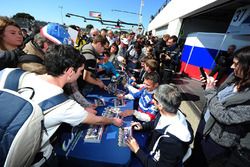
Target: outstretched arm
{"x":99,"y":120}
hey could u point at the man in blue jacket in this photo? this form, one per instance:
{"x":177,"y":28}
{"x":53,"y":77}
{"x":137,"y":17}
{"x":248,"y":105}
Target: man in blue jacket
{"x":146,"y":110}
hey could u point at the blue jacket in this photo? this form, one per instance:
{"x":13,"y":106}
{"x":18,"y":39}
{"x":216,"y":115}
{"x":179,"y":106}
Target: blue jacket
{"x":109,"y":68}
{"x":145,"y":102}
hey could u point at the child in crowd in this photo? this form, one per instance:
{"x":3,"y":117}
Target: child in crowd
{"x":113,"y":50}
{"x":148,"y":66}
{"x":105,"y":66}
{"x":146,"y":110}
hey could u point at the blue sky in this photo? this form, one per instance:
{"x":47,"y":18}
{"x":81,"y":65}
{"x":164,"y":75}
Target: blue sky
{"x":49,"y":10}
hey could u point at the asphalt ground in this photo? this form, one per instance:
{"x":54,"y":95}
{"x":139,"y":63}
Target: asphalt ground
{"x":193,"y":98}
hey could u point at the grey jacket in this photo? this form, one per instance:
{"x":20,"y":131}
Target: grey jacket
{"x":227,"y":116}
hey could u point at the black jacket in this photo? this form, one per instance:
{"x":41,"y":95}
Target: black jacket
{"x":9,"y":58}
{"x":170,"y":147}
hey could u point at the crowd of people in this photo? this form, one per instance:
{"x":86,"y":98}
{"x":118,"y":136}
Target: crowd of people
{"x":57,"y":64}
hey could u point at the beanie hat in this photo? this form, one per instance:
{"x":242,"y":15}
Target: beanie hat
{"x":55,"y":33}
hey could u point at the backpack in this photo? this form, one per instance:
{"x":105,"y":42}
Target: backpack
{"x":21,"y":120}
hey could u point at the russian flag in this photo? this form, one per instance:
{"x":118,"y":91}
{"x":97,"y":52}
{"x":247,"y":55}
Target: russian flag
{"x":200,"y":50}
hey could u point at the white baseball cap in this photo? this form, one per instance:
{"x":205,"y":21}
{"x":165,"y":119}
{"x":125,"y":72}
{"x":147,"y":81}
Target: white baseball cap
{"x":125,"y":41}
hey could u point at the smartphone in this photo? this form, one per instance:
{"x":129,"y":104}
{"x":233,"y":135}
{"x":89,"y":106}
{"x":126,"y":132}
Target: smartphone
{"x":203,"y":74}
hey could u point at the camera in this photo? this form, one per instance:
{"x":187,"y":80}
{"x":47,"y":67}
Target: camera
{"x":164,"y":53}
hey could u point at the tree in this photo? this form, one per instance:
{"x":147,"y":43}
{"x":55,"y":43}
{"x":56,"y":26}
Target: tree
{"x":24,"y":19}
{"x":23,"y":16}
{"x":89,"y":27}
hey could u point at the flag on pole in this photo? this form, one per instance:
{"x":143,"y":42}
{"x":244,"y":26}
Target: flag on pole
{"x":95,"y":14}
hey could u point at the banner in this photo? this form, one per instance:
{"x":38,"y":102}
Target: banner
{"x":73,"y":34}
{"x":95,"y":14}
{"x":240,"y":23}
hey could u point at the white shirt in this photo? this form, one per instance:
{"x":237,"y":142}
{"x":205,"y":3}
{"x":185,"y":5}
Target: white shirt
{"x":69,"y":111}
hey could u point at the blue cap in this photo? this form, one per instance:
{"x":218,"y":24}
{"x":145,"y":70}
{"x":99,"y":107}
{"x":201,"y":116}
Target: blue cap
{"x":56,"y":33}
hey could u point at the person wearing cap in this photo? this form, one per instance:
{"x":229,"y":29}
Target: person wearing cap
{"x":134,"y":54}
{"x":124,"y":41}
{"x":36,"y":47}
{"x":171,"y":132}
{"x":91,"y":52}
{"x":122,"y":48}
{"x":56,"y":33}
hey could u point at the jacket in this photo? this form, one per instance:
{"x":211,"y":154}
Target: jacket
{"x":33,"y":60}
{"x":229,"y":121}
{"x":9,"y":58}
{"x":146,"y":104}
{"x":169,"y":144}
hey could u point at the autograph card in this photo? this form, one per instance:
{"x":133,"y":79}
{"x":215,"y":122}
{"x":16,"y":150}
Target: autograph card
{"x":99,"y":102}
